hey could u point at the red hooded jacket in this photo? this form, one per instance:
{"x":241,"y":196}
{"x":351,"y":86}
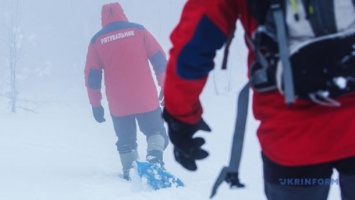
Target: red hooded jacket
{"x":305,"y":133}
{"x":122,"y":50}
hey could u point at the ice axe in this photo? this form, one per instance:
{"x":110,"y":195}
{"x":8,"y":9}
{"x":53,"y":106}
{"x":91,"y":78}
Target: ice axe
{"x":230,"y":173}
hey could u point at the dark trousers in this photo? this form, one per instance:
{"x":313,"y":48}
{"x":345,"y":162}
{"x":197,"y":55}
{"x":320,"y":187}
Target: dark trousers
{"x":310,"y":182}
{"x":149,"y":123}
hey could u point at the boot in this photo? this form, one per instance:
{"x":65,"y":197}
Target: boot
{"x":156,"y":145}
{"x":126,"y":175}
{"x":127,"y":162}
{"x":156,"y":157}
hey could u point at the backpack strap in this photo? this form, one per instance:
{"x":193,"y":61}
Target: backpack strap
{"x":259,"y":76}
{"x":226,"y":49}
{"x":279,"y":19}
{"x":321,"y":24}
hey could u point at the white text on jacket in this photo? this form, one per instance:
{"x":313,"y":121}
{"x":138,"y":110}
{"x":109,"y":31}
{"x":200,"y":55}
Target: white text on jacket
{"x":117,"y":36}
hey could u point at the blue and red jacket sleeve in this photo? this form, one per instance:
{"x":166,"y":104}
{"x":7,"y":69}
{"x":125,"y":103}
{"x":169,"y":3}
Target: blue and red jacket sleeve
{"x":93,"y":76}
{"x":156,"y":56}
{"x":203,"y":29}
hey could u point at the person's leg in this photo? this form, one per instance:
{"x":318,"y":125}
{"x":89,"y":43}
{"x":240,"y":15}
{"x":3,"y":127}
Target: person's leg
{"x":151,"y":125}
{"x":126,"y":131}
{"x":311,"y":182}
{"x":346,"y":169}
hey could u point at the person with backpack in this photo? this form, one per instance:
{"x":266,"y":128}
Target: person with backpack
{"x":122,"y":51}
{"x":302,"y":71}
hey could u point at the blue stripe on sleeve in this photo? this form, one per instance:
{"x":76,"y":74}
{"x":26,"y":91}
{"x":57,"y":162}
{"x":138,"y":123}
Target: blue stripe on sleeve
{"x":196,"y":58}
{"x":158,"y":61}
{"x":94,"y":79}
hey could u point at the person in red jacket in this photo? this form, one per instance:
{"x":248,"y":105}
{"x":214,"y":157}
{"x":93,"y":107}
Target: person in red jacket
{"x":121,"y":51}
{"x":303,"y":141}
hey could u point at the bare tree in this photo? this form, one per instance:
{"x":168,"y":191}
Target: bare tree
{"x":12,"y":21}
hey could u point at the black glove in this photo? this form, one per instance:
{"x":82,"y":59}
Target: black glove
{"x":98,"y":113}
{"x":186,"y":148}
{"x":233,"y":180}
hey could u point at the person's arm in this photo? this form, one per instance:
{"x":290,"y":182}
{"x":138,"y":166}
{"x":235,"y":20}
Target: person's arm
{"x":203,"y":29}
{"x":93,"y":77}
{"x":156,"y":56}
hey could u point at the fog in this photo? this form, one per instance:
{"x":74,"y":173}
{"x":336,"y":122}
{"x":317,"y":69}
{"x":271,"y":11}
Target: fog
{"x":53,"y":37}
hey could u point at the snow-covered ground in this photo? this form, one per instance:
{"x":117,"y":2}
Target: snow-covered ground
{"x":62,"y":153}
{"x":55,"y":150}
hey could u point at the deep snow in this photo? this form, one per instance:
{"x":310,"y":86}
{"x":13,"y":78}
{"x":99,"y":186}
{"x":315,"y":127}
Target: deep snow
{"x":62,"y":153}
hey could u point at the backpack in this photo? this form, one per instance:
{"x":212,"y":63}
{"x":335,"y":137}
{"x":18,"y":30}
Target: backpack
{"x":303,"y":48}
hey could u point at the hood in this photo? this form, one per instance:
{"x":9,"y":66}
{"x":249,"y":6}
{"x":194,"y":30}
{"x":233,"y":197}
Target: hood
{"x":112,"y":12}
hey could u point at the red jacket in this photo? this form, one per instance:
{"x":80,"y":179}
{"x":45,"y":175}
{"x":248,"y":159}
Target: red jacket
{"x":304,"y":133}
{"x":122,"y":50}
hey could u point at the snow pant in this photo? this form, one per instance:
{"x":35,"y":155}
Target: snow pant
{"x":308,"y":182}
{"x":150,"y":124}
